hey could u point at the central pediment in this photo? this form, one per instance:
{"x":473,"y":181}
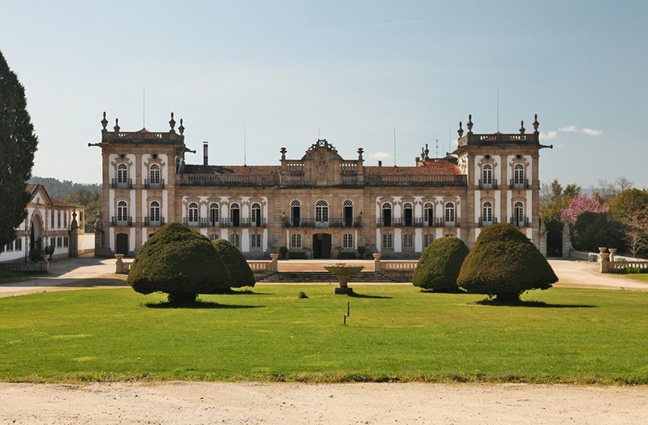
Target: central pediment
{"x":322,"y":150}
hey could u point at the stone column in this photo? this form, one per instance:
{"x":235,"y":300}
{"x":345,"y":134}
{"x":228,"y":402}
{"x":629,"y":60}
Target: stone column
{"x":74,"y":237}
{"x":376,"y":256}
{"x":604,"y":260}
{"x":566,"y":241}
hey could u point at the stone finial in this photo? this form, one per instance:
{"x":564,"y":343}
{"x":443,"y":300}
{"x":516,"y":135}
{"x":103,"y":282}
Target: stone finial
{"x":104,"y":122}
{"x":116,"y":127}
{"x":469,"y":124}
{"x":536,"y":124}
{"x":522,"y":129}
{"x":172,"y":124}
{"x":283,"y":153}
{"x":181,"y":128}
{"x":427,"y":152}
{"x":460,"y":131}
{"x":360,"y":152}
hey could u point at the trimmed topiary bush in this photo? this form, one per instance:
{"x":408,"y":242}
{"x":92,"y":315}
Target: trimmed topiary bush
{"x":239,"y":269}
{"x":504,"y":263}
{"x":439,"y":266}
{"x":180,"y":262}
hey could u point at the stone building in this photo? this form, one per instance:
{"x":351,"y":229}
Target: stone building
{"x":318,"y":205}
{"x":48,"y":222}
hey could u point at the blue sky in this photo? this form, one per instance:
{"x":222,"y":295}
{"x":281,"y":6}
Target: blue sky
{"x":348,"y":71}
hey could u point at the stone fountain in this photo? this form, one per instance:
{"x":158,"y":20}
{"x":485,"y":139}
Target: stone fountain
{"x":343,"y":272}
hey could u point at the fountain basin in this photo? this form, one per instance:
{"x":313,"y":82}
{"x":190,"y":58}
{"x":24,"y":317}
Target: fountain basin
{"x":343,"y":272}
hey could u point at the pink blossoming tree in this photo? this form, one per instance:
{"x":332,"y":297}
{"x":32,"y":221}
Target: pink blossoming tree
{"x":580,"y":204}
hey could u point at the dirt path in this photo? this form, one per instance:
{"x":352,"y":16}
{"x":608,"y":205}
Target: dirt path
{"x":253,"y":403}
{"x":584,"y":274}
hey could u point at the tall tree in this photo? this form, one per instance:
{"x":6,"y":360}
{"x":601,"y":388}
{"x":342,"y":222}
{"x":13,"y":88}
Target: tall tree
{"x":17,"y":146}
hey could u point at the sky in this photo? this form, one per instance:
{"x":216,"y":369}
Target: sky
{"x":388,"y":76}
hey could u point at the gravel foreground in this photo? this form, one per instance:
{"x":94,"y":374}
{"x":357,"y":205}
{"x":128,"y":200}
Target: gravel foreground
{"x":265,"y":403}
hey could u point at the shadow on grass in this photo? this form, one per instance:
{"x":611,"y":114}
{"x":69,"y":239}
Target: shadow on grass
{"x":533,"y":304}
{"x":244,"y":292}
{"x":354,"y":294}
{"x":199,"y":305}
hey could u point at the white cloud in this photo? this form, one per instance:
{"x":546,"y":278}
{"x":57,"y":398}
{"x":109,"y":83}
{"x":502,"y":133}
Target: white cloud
{"x":549,"y":135}
{"x":592,"y":132}
{"x":380,"y":155}
{"x":568,"y":129}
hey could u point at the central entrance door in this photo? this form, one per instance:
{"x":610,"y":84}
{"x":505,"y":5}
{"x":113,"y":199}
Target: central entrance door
{"x":121,"y":243}
{"x":322,"y":245}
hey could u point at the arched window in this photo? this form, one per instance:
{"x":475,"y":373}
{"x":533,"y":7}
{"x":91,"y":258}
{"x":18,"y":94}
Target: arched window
{"x":192,"y":216}
{"x":347,"y":207}
{"x":295,"y":213}
{"x":213,"y":215}
{"x":449,"y":212}
{"x":154,"y":174}
{"x":428,"y":214}
{"x":518,"y":174}
{"x":235,"y":211}
{"x":122,"y":174}
{"x":386,"y":214}
{"x":487,"y":174}
{"x":487,"y":212}
{"x":321,"y":212}
{"x":256,"y":214}
{"x":518,"y":210}
{"x":122,"y":212}
{"x":154,"y":212}
{"x":408,"y":216}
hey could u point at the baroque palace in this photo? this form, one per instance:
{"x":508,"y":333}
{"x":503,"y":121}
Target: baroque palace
{"x":321,"y":205}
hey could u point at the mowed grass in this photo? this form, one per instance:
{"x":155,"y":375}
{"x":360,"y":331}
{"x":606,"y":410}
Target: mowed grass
{"x":641,"y":277}
{"x":578,"y":336}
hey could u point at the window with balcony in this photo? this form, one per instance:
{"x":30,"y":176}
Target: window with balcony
{"x":122,"y":175}
{"x":154,"y":176}
{"x":518,"y":174}
{"x":256,"y":215}
{"x":295,"y":213}
{"x":122,"y":213}
{"x":192,"y":214}
{"x":347,"y":207}
{"x":487,"y":213}
{"x":427,"y":240}
{"x":386,"y":214}
{"x":408,"y":214}
{"x":321,"y":213}
{"x":213,"y":215}
{"x":428,"y":214}
{"x":154,"y":213}
{"x":487,"y":174}
{"x":519,"y":218}
{"x":450,"y":212}
{"x":235,"y":211}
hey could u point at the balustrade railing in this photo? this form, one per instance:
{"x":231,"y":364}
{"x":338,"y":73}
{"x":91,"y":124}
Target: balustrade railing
{"x":122,"y":184}
{"x":331,"y":222}
{"x":519,"y":221}
{"x":486,"y":222}
{"x":121,"y":221}
{"x":154,"y":184}
{"x":154,"y":222}
{"x":490,"y":184}
{"x":519,"y":184}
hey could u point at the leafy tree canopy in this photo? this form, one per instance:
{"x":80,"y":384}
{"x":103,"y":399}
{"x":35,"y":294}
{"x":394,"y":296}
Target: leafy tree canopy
{"x":439,"y":266}
{"x":239,"y":269}
{"x":629,"y":202}
{"x":17,"y":147}
{"x":504,"y":263}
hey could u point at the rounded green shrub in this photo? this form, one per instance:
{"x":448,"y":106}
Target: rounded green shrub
{"x":504,"y":263}
{"x":439,"y":266}
{"x":180,"y":262}
{"x":240,"y":273}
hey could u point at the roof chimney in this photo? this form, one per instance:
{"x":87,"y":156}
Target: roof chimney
{"x":205,"y":155}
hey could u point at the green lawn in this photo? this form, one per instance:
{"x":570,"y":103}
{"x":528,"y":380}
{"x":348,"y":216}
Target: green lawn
{"x":642,"y":277}
{"x":581,"y":336}
{"x":8,"y":277}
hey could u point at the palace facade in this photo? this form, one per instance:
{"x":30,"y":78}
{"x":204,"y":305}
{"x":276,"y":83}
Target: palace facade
{"x":320,"y":205}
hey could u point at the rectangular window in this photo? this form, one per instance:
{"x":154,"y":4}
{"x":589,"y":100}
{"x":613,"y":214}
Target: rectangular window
{"x":19,"y":244}
{"x":10,"y":247}
{"x":59,"y":242}
{"x":213,"y":236}
{"x":65,"y":219}
{"x":295,"y":241}
{"x":255,"y":241}
{"x":65,"y":241}
{"x":408,"y":241}
{"x":235,"y":240}
{"x":347,"y":241}
{"x":388,"y":241}
{"x":58,"y":219}
{"x":427,"y":240}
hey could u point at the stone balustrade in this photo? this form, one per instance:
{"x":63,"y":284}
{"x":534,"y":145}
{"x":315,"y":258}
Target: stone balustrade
{"x":608,"y":263}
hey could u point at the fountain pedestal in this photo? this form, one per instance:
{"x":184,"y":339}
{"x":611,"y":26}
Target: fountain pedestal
{"x":343,"y":272}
